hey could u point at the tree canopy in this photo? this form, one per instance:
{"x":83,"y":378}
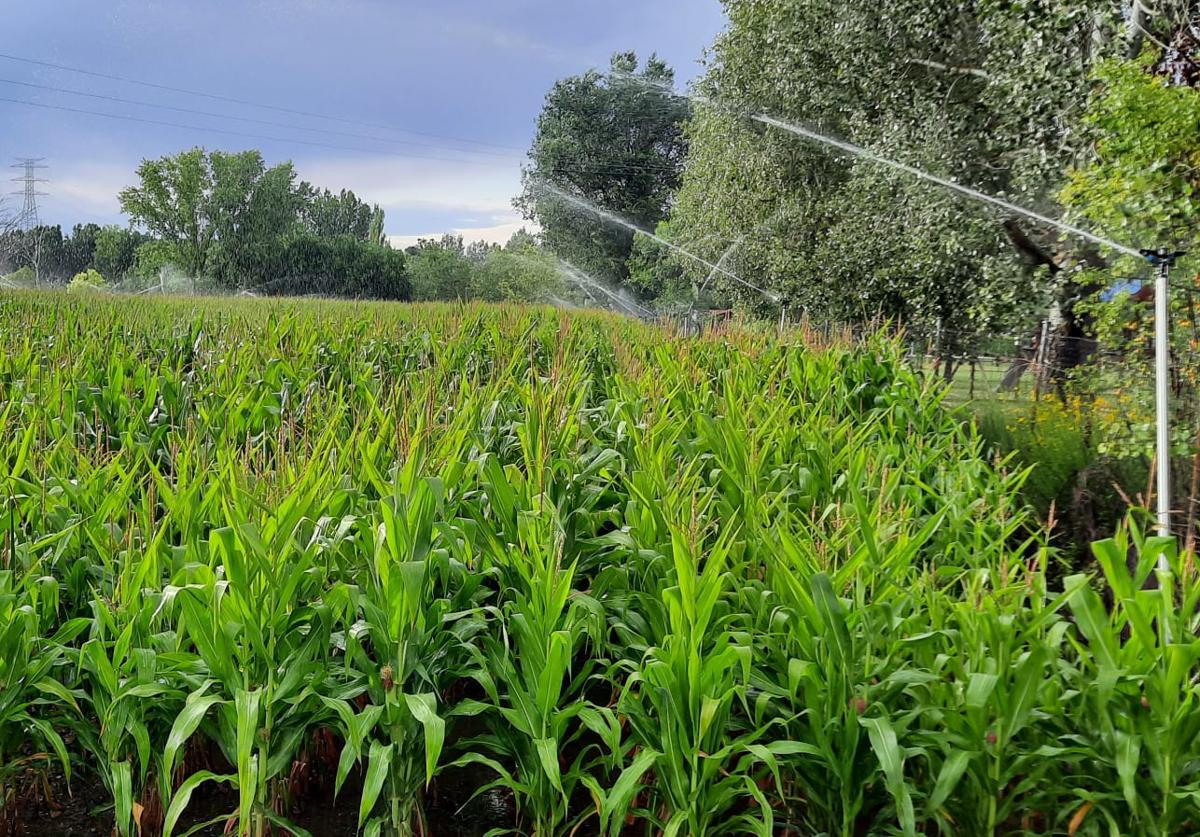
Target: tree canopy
{"x":977,"y":91}
{"x":232,"y":220}
{"x":326,"y":214}
{"x":613,"y":138}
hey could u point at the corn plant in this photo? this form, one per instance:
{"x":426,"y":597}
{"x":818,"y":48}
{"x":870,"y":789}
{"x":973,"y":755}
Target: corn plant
{"x":135,"y":694}
{"x":35,"y":690}
{"x":1135,"y":676}
{"x":419,"y":615}
{"x":739,"y":583}
{"x":539,"y":713}
{"x":680,"y":702}
{"x":264,"y":637}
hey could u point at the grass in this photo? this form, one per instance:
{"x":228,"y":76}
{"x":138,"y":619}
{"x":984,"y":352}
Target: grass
{"x":648,"y":584}
{"x":1086,"y":454}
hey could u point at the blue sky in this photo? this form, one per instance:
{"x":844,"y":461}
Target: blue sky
{"x":464,"y":69}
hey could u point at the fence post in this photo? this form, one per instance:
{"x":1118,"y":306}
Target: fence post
{"x":1039,"y":360}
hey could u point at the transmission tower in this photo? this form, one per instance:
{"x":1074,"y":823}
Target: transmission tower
{"x":31,"y":166}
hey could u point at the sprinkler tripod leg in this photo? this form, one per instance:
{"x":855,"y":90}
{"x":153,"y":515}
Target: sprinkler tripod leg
{"x":1162,"y":259}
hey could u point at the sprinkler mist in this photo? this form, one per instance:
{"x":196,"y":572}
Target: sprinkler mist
{"x":860,"y":151}
{"x":613,"y":218}
{"x":588,"y":284}
{"x":974,"y":194}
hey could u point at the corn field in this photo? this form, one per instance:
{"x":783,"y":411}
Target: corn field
{"x":634,"y":583}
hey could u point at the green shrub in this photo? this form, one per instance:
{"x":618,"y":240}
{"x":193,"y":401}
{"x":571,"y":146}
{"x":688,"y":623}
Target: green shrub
{"x":87,"y":280}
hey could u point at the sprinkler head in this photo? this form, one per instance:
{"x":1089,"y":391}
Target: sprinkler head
{"x":1162,"y":256}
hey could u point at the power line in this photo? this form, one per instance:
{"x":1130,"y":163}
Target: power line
{"x":247,"y":102}
{"x":247,"y":135}
{"x":628,"y":168}
{"x":144,"y":121}
{"x":268,"y":122}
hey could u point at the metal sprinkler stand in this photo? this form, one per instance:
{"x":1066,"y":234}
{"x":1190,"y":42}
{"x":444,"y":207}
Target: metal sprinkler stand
{"x":1164,"y":260}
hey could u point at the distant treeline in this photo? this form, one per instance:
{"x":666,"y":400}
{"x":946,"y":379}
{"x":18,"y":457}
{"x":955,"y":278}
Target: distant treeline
{"x":218,"y":221}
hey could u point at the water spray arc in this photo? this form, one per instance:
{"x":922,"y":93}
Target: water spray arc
{"x":921,"y":174}
{"x":1162,"y":259}
{"x":585,"y":282}
{"x":613,"y":218}
{"x":974,"y":194}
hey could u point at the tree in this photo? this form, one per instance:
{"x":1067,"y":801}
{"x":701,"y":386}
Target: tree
{"x":440,"y":270}
{"x":10,"y":224}
{"x":520,"y":273}
{"x":1140,"y":186}
{"x":224,"y":214}
{"x":477,"y":252}
{"x":980,"y":91}
{"x":654,"y":274}
{"x":9,"y":219}
{"x":615,"y":139}
{"x":522,"y":239}
{"x":53,"y":257}
{"x":254,"y":210}
{"x":376,"y":233}
{"x":326,"y":215}
{"x":341,"y":266}
{"x":153,"y":258}
{"x":173,"y":203}
{"x":80,"y":248}
{"x":115,"y":255}
{"x":22,"y":277}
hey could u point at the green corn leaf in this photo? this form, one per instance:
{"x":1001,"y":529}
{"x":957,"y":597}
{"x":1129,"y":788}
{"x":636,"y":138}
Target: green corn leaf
{"x":1093,"y":622}
{"x":948,"y":777}
{"x":676,"y":824}
{"x":122,"y":779}
{"x":615,"y":806}
{"x":424,"y":708}
{"x":286,"y":826}
{"x":833,"y":616}
{"x":56,"y":743}
{"x":891,"y":760}
{"x":183,"y":796}
{"x":1128,"y":753}
{"x":246,"y":707}
{"x":766,"y":826}
{"x":547,"y":750}
{"x":379,"y":762}
{"x":1029,"y":678}
{"x":1111,"y":558}
{"x":979,"y":689}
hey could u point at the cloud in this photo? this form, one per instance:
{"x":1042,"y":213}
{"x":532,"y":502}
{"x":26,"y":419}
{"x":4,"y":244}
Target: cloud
{"x":89,"y":189}
{"x":489,"y":33}
{"x":417,"y":195}
{"x":472,"y":185}
{"x":496,"y":234}
{"x":471,"y":200}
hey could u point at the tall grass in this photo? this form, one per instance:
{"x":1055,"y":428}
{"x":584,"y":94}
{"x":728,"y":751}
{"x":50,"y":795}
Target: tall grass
{"x":648,"y":584}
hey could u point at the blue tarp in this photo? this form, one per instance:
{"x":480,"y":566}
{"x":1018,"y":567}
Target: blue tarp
{"x":1123,"y":286}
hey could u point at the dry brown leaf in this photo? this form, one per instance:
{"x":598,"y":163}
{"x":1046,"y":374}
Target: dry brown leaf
{"x":1077,"y":820}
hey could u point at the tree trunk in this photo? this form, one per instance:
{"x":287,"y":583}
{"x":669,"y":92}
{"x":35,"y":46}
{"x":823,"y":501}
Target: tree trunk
{"x":1135,"y":31}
